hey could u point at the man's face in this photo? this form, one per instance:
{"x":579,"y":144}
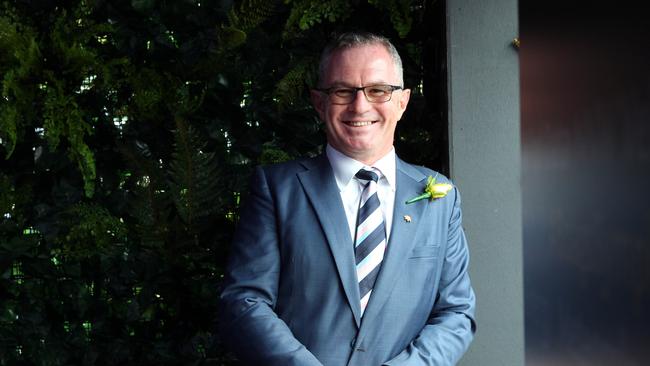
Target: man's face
{"x":361,"y":130}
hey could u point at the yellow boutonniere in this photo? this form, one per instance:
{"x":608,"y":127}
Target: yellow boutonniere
{"x":432,"y":190}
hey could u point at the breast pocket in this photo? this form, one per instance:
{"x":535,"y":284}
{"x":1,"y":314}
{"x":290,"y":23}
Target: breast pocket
{"x":425,"y":251}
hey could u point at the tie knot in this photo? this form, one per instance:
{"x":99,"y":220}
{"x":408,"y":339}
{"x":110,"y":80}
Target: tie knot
{"x":367,"y":175}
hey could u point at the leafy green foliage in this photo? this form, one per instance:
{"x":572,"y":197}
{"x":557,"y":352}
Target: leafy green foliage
{"x":92,"y":231}
{"x":129,"y":129}
{"x":249,"y":14}
{"x":20,"y":59}
{"x":193,"y":186}
{"x":399,"y":12}
{"x":307,"y":13}
{"x":291,"y":87}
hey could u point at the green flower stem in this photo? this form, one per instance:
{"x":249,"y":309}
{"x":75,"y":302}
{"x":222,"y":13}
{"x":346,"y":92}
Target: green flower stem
{"x":423,"y":196}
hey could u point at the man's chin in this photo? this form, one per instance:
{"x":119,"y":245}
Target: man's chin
{"x":367,"y":155}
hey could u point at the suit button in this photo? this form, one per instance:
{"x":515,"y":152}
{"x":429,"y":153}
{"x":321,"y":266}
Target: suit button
{"x":352,"y":342}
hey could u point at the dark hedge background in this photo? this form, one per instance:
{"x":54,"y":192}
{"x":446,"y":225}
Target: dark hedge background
{"x":127,"y":132}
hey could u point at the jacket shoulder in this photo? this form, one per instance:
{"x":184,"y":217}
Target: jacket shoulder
{"x":288,"y":167}
{"x":422,"y":171}
{"x":286,"y":172}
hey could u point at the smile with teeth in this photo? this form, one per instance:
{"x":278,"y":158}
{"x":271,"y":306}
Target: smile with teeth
{"x":359,"y":123}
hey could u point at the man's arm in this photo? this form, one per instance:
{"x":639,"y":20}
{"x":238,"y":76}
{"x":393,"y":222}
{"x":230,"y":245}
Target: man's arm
{"x":249,"y":324}
{"x":451,"y":325}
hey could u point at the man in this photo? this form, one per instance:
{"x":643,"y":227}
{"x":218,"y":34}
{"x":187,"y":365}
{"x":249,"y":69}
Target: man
{"x":329,"y":265}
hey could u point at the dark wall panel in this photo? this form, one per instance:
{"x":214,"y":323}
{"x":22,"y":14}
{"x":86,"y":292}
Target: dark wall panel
{"x":585,"y":93}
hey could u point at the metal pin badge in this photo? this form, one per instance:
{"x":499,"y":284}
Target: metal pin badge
{"x":407,"y":218}
{"x":516,"y":43}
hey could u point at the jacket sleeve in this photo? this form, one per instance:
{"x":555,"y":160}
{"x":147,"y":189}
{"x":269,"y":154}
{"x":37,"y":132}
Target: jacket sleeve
{"x":451,"y":325}
{"x":249,"y":325}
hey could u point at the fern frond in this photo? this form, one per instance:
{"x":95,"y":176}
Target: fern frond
{"x":307,"y":13}
{"x":20,"y":60}
{"x":292,"y":85}
{"x":271,"y":154}
{"x":150,"y":207}
{"x":400,"y":14}
{"x":148,"y":87}
{"x":9,"y":118}
{"x":249,"y":14}
{"x":193,"y":176}
{"x":62,"y":117}
{"x":92,"y":230}
{"x":151,"y":202}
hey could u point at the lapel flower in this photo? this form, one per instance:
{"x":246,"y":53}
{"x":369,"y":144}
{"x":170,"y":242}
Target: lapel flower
{"x":432,"y":190}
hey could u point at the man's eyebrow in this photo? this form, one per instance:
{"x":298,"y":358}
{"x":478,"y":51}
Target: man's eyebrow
{"x":342,"y":84}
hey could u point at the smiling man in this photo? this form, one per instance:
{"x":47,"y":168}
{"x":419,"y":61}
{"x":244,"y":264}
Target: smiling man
{"x":330,"y":265}
{"x":363,"y":127}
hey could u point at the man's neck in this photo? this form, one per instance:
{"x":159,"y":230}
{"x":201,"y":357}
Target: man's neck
{"x":367,"y":161}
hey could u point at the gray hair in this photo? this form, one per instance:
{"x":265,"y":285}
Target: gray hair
{"x":358,"y":39}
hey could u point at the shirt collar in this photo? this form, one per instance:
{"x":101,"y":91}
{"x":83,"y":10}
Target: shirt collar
{"x":346,"y":167}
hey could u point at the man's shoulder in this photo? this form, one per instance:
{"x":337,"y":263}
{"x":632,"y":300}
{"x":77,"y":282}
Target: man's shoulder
{"x":292,"y":166}
{"x":286,"y":172}
{"x":423,"y":171}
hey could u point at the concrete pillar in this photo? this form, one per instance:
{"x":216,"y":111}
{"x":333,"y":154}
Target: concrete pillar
{"x":485,"y":158}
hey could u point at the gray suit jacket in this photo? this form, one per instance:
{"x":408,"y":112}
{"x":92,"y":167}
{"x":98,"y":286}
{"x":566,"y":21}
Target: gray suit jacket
{"x":291,"y":295}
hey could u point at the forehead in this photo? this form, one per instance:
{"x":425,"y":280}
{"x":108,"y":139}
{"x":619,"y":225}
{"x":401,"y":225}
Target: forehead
{"x":361,"y":65}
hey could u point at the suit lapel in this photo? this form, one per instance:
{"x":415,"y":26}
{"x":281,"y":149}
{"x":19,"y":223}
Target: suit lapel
{"x":409,"y":183}
{"x":320,"y":186}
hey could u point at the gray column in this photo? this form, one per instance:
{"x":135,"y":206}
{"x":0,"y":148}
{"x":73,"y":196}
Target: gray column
{"x":485,"y":164}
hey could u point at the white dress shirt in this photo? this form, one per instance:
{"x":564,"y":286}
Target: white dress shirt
{"x":350,"y":188}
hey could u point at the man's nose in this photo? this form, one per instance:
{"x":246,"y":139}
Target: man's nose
{"x":359,"y":103}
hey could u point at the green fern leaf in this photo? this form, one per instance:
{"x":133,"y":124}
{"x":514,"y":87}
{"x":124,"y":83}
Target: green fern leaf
{"x":400,"y":14}
{"x":92,"y":230}
{"x":291,"y":87}
{"x":151,"y":202}
{"x":305,"y":14}
{"x":193,"y":176}
{"x":249,"y":14}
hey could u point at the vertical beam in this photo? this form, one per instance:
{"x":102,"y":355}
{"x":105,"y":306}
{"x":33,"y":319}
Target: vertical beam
{"x":485,"y":163}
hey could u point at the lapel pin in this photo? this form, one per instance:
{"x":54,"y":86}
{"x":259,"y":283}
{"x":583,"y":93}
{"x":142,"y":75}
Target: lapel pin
{"x":407,"y":218}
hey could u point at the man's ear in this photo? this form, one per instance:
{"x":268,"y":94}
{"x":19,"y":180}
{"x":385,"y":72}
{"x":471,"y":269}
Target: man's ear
{"x":404,"y":98}
{"x":402,"y":101}
{"x":318,"y":100}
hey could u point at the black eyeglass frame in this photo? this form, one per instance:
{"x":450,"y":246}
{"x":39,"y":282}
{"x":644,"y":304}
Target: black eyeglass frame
{"x":332,"y":90}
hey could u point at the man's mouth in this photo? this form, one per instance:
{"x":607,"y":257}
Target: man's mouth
{"x":359,"y":123}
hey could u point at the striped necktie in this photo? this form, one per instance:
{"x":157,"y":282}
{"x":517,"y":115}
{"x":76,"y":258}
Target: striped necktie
{"x":370,"y":236}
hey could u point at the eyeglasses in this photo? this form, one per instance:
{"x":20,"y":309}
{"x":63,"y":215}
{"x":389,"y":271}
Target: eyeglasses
{"x":373,"y":93}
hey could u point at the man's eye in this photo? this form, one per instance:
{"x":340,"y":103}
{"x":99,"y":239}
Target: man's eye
{"x":377,"y":91}
{"x":343,"y":92}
